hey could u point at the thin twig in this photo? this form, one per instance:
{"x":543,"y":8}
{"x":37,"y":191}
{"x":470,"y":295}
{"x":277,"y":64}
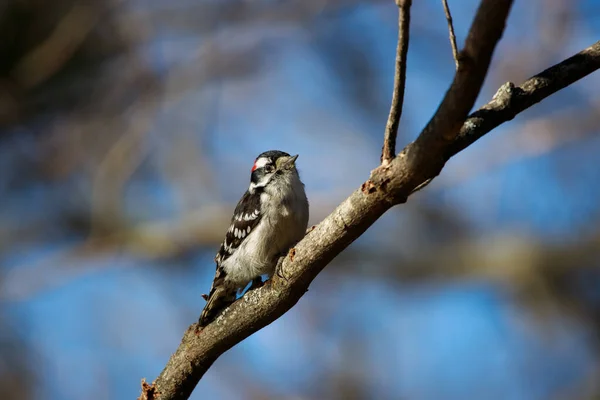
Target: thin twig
{"x":451,"y":32}
{"x":391,"y":127}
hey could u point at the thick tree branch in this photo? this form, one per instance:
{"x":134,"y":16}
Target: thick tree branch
{"x":387,"y":186}
{"x":391,"y":128}
{"x":451,"y":32}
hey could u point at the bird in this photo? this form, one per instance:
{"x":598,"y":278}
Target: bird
{"x":270,"y":218}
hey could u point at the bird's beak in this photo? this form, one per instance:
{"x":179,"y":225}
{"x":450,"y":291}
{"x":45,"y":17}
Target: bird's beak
{"x":288,"y":162}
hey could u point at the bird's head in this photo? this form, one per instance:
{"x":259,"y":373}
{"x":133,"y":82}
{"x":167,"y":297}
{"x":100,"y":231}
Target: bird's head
{"x":272,"y":166}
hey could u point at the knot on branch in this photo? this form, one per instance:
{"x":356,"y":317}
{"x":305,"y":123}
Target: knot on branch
{"x":149,"y":391}
{"x":379,"y":179}
{"x":368,"y":187}
{"x":505,"y":95}
{"x":380,"y":184}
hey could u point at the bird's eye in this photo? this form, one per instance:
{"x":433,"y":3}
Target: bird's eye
{"x":269,"y":168}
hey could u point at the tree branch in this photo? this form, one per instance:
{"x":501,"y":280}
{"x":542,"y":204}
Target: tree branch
{"x":427,"y":152}
{"x":510,"y":100}
{"x":451,"y":32}
{"x":387,"y":186}
{"x":391,"y":128}
{"x":475,"y":58}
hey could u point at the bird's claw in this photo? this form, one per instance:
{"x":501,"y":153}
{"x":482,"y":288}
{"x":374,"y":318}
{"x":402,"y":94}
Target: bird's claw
{"x":256,"y":283}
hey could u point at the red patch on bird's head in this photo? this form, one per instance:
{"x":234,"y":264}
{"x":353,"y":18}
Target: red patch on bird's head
{"x":260,"y":162}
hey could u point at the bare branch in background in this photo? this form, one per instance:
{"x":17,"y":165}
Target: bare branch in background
{"x":46,"y":59}
{"x":451,"y":32}
{"x":391,"y":128}
{"x":120,"y":162}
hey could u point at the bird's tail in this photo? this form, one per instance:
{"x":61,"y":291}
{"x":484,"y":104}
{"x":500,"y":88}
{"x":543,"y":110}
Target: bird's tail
{"x":219,"y":298}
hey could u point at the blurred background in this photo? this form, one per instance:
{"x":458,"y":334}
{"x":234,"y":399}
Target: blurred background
{"x":127,"y":134}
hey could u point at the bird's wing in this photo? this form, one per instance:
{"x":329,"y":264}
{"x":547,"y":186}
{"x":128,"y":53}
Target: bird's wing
{"x":245,"y":218}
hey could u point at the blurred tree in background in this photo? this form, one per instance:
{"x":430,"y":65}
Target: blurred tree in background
{"x":127,"y":131}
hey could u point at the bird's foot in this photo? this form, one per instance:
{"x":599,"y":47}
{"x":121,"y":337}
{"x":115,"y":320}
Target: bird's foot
{"x":256,"y":283}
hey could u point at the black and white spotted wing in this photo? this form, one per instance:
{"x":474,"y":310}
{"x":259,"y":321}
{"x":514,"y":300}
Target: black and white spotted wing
{"x":245,"y":218}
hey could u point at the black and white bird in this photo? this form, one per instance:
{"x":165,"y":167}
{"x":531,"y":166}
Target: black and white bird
{"x":269,"y":219}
